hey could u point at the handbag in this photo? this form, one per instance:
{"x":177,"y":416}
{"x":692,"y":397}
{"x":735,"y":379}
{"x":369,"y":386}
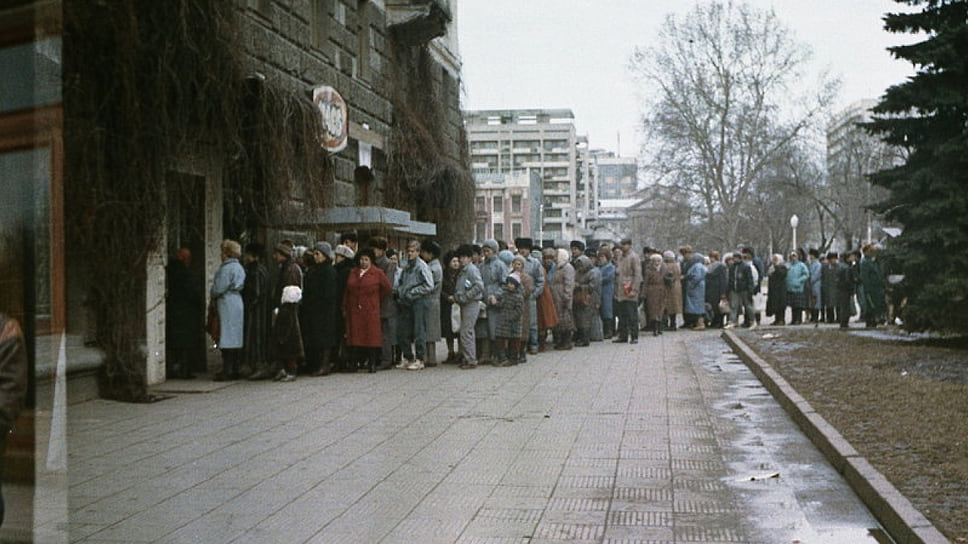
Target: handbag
{"x":213,"y":326}
{"x":455,"y":317}
{"x":724,"y":306}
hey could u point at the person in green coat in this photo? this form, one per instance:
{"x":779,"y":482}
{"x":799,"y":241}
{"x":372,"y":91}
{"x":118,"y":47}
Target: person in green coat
{"x":872,"y":301}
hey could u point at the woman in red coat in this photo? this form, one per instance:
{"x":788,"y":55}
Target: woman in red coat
{"x":366,"y":286}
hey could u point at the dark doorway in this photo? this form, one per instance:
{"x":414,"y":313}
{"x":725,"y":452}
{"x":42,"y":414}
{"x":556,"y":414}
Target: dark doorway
{"x":185,"y":308}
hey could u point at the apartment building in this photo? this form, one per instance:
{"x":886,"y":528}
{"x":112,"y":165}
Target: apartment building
{"x":542,"y":141}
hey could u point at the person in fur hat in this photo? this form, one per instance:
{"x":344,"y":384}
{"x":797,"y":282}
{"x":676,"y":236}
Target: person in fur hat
{"x":286,"y":347}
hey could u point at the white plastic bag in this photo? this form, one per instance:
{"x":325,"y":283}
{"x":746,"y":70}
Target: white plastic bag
{"x":455,"y":317}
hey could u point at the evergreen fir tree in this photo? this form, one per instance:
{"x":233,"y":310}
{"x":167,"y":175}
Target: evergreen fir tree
{"x":927,"y":116}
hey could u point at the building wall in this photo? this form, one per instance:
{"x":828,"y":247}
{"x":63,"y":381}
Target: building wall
{"x":544,"y":141}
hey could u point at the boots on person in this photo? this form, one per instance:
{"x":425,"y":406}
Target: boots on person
{"x":500,"y":352}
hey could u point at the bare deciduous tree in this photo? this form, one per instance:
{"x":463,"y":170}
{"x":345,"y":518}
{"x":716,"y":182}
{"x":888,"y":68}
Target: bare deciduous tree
{"x":726,"y":96}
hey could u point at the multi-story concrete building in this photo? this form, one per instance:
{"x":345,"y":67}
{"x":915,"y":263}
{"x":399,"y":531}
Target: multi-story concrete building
{"x":506,"y":206}
{"x":535,"y":140}
{"x":853,"y":154}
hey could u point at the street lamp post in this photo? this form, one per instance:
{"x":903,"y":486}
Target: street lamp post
{"x":794,"y":221}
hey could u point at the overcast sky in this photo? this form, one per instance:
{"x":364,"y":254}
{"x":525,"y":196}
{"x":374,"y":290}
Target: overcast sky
{"x":574,"y":54}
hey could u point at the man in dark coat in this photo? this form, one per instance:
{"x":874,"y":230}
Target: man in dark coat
{"x":289,"y":274}
{"x":717,"y":288}
{"x":830,"y":277}
{"x":258,"y":311}
{"x":183,"y":316}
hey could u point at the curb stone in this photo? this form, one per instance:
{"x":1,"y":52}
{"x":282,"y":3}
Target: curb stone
{"x":904,"y":523}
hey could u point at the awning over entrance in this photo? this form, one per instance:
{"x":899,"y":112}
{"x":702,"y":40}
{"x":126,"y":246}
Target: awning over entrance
{"x":371,"y":218}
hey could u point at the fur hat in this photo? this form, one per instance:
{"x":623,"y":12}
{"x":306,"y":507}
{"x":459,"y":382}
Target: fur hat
{"x":345,"y":251}
{"x":578,"y":244}
{"x":291,"y":294}
{"x":524,"y":243}
{"x":284,"y":250}
{"x":325,"y":249}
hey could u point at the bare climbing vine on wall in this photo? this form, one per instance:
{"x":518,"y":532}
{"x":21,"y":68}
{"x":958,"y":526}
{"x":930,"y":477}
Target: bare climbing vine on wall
{"x":424,"y":167}
{"x":147,"y":83}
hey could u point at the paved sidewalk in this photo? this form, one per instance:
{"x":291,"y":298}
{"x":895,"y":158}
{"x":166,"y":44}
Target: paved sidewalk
{"x":648,"y":443}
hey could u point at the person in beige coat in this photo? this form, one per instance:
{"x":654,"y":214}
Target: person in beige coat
{"x":628,"y":281}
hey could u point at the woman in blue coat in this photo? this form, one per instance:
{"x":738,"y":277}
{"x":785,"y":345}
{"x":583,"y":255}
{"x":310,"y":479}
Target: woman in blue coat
{"x":607,"y":270}
{"x":226,"y":294}
{"x":796,"y":286}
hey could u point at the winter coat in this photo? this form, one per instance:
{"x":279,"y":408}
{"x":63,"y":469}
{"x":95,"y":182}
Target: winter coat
{"x":184,"y":309}
{"x":388,"y":308}
{"x":13,"y":372}
{"x":830,"y":278}
{"x":533,"y":268}
{"x":628,"y":277}
{"x":797,"y":277}
{"x":286,"y":343}
{"x":512,"y":310}
{"x":673,"y":301}
{"x":872,"y":281}
{"x":607,"y":272}
{"x":447,"y":288}
{"x":493,"y":271}
{"x":258,"y":315}
{"x":547,"y":313}
{"x":717,"y":283}
{"x":343,"y":269}
{"x":563,"y":292}
{"x":816,"y":291}
{"x":469,"y":287}
{"x":527,"y":289}
{"x":433,"y":309}
{"x":319,"y":311}
{"x":655,"y":288}
{"x":588,"y":286}
{"x":227,"y":294}
{"x":694,"y":289}
{"x":361,"y":306}
{"x":776,"y":301}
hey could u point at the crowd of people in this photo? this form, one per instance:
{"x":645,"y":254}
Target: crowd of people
{"x":374,"y":307}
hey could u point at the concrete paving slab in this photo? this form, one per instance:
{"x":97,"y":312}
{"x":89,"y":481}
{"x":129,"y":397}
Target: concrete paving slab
{"x":610,"y":443}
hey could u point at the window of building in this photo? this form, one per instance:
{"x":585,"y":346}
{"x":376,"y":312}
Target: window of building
{"x":515,"y":230}
{"x":480,"y":231}
{"x":479,"y":204}
{"x":339,"y":12}
{"x":515,"y":203}
{"x":498,"y":203}
{"x":498,"y":231}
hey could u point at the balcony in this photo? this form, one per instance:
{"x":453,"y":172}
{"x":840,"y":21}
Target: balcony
{"x":416,"y":22}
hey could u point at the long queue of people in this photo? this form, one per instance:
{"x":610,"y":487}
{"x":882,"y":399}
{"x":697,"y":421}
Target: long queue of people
{"x":347,"y":308}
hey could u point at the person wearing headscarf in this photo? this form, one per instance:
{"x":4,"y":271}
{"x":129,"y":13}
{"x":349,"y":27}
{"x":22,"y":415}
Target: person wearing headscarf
{"x":587,"y":297}
{"x":563,"y":291}
{"x":547,"y":313}
{"x":796,"y":287}
{"x":654,"y":286}
{"x":607,"y":309}
{"x":493,"y":272}
{"x":286,"y":346}
{"x":519,"y":271}
{"x":533,"y":268}
{"x":694,"y":289}
{"x":258,"y":313}
{"x":509,"y":329}
{"x":673,"y":303}
{"x":319,"y":311}
{"x":776,"y":302}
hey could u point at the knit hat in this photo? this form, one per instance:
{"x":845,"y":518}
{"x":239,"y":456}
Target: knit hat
{"x":506,"y":257}
{"x":490,"y":243}
{"x":345,"y":251}
{"x":325,"y":249}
